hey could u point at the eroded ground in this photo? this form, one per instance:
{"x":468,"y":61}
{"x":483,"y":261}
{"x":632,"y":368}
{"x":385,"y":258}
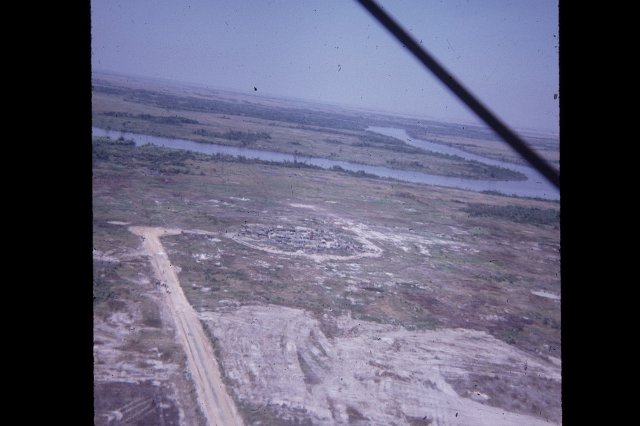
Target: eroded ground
{"x":367,"y":373}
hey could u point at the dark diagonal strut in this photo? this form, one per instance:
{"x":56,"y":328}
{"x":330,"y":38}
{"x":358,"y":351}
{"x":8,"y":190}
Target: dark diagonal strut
{"x":463,"y":94}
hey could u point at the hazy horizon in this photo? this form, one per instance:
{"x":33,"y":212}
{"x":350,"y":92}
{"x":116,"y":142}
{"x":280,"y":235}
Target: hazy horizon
{"x":336,"y":53}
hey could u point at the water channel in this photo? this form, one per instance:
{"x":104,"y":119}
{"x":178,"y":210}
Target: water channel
{"x":535,"y":185}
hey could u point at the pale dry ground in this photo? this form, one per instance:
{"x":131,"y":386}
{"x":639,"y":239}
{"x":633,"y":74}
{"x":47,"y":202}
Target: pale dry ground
{"x":152,"y":374}
{"x":216,"y":404}
{"x":280,"y":359}
{"x":545,"y":294}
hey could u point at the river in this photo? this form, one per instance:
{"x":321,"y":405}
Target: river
{"x":535,"y":185}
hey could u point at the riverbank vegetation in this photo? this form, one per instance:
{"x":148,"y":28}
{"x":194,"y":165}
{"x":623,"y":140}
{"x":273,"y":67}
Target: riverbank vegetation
{"x":244,"y":120}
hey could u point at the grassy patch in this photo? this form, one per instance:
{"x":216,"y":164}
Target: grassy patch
{"x":102,"y":290}
{"x":245,"y":138}
{"x":216,"y":106}
{"x":101,"y":140}
{"x":525,"y":393}
{"x":519,"y":214}
{"x":139,"y":403}
{"x":161,"y":119}
{"x":104,"y":278}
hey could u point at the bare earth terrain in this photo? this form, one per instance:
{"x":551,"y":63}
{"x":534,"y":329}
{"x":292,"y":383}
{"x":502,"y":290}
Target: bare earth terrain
{"x":235,"y":292}
{"x":365,"y":373}
{"x":358,"y":372}
{"x":218,"y":408}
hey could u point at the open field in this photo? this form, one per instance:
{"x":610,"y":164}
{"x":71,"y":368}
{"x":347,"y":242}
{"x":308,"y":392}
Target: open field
{"x":317,"y":296}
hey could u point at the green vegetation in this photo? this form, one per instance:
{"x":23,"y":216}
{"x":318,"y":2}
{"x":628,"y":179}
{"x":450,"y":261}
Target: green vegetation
{"x":359,"y":173}
{"x":107,"y":282}
{"x":519,"y":214}
{"x":403,"y":164}
{"x":189,"y":103}
{"x":121,"y":141}
{"x":375,"y":140}
{"x":457,"y":130}
{"x":312,"y":130}
{"x":245,"y":138}
{"x":173,"y":161}
{"x":161,"y":119}
{"x":101,"y":290}
{"x":153,"y":158}
{"x":482,"y":141}
{"x":498,"y":277}
{"x":474,"y":169}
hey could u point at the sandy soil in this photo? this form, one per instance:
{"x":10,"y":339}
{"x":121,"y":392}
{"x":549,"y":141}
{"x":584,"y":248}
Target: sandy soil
{"x":216,"y":404}
{"x":303,"y":206}
{"x":545,"y":294}
{"x":379,"y":374}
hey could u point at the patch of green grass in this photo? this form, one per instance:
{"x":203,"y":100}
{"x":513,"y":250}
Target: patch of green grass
{"x":104,"y":277}
{"x":519,"y":214}
{"x":510,"y":336}
{"x":245,"y":138}
{"x":423,"y":323}
{"x":480,"y":231}
{"x":217,"y":106}
{"x":102,"y":290}
{"x":121,"y":141}
{"x":162,"y":119}
{"x":498,"y":277}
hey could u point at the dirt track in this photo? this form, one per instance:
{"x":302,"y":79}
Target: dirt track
{"x":216,"y":404}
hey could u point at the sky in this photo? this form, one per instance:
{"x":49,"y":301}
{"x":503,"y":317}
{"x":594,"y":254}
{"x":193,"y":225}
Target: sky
{"x":333,"y":51}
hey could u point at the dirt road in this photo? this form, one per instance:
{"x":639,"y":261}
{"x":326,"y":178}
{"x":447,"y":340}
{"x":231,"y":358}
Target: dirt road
{"x":215,"y":402}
